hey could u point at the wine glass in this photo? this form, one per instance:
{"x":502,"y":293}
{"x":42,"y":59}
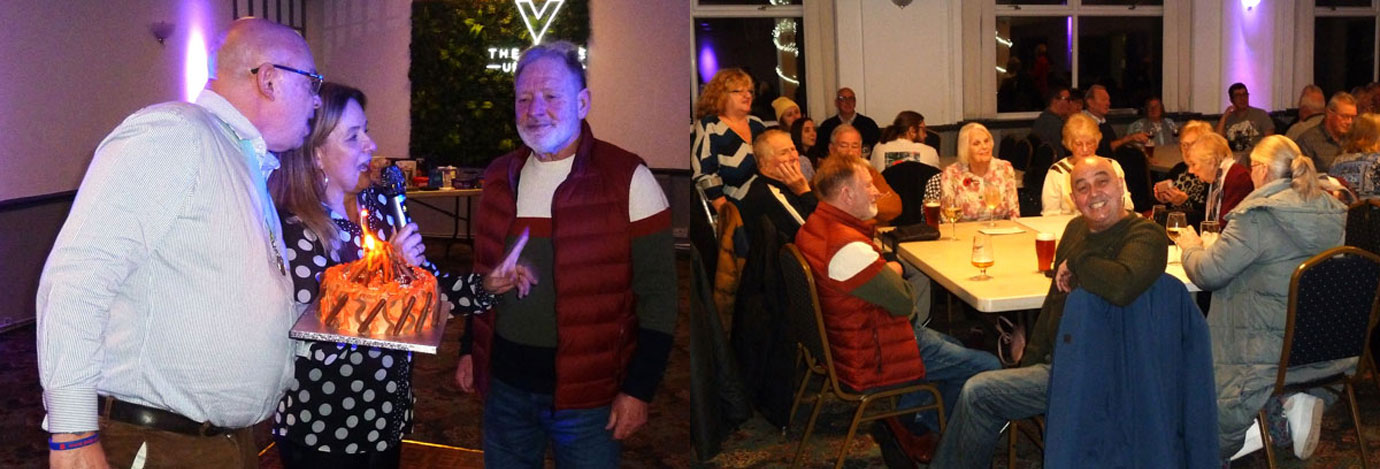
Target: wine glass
{"x":991,"y":196}
{"x":950,"y":210}
{"x":983,"y":257}
{"x":1174,"y":223}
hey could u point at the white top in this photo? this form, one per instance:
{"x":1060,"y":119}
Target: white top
{"x":886,"y":154}
{"x":851,"y":259}
{"x":1057,"y":199}
{"x":537,"y":188}
{"x":162,"y":288}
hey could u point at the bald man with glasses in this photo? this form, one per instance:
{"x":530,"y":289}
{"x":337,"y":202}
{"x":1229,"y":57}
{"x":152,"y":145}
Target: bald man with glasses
{"x":164,"y":308}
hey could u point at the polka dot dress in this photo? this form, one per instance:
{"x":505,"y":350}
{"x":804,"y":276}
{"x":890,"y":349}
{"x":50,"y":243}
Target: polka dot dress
{"x":345,"y":398}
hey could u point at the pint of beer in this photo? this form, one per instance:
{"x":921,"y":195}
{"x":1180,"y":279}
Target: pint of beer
{"x":932,"y":213}
{"x":1044,"y":250}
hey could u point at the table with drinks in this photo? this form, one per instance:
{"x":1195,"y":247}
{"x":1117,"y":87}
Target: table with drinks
{"x":1009,"y":253}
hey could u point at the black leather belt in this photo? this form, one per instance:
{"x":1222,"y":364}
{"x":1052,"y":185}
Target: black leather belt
{"x":157,"y":419}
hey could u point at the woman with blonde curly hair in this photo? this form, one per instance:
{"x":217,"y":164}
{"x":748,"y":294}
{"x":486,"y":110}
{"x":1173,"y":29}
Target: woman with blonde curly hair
{"x":1082,"y":137}
{"x":724,"y":130}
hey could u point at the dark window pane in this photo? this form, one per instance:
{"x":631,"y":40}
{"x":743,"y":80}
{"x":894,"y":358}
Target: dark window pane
{"x":1123,"y":2}
{"x":1343,"y":53}
{"x":1033,"y":55}
{"x":1031,"y":2}
{"x":751,"y":2}
{"x":1342,"y":3}
{"x":1123,"y":54}
{"x":769,"y":49}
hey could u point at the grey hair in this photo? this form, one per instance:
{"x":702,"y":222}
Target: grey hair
{"x":565,"y":52}
{"x":834,"y":136}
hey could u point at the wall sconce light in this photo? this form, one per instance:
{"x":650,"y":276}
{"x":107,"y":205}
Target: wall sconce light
{"x":901,"y":3}
{"x":1249,"y":4}
{"x":162,"y":30}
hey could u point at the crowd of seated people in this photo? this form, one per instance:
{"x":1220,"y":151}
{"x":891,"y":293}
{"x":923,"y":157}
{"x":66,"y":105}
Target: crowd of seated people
{"x":1262,"y":190}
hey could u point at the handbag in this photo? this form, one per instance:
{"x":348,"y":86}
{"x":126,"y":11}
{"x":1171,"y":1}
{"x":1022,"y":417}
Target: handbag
{"x":908,"y":233}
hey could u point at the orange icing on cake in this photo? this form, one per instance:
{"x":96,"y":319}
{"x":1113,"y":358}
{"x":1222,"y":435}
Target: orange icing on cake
{"x":378,"y":296}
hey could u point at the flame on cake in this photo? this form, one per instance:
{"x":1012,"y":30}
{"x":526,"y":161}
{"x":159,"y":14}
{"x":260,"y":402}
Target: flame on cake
{"x":378,"y":295}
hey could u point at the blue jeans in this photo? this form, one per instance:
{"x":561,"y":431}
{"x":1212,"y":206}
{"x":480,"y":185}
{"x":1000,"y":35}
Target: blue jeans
{"x":948,"y":365}
{"x":518,"y":425}
{"x":987,"y":402}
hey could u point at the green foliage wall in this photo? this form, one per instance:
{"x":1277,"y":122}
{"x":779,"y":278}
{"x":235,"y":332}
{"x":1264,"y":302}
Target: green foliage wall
{"x":462,"y":112}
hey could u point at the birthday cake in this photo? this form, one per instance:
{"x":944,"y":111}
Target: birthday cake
{"x":378,"y":296}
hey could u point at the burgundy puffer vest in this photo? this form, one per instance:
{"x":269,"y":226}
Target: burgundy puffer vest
{"x":595,"y":317}
{"x":870,"y":347}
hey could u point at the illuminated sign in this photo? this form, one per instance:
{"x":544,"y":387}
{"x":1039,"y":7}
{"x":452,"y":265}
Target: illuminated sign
{"x":538,"y":20}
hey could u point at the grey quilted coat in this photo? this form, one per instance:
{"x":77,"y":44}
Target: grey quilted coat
{"x":1267,"y":236}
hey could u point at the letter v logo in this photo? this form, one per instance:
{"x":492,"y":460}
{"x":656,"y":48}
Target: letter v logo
{"x":538,"y":20}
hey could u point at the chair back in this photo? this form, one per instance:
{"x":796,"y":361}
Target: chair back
{"x":703,"y":232}
{"x":1040,"y":161}
{"x":1332,"y":305}
{"x":1363,"y":225}
{"x":1006,"y":150}
{"x":908,"y":179}
{"x":802,"y":304}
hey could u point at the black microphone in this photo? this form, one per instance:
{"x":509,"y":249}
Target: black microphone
{"x":394,"y":187}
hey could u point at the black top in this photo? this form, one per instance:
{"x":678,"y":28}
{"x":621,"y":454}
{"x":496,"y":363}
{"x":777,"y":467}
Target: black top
{"x":346,"y":398}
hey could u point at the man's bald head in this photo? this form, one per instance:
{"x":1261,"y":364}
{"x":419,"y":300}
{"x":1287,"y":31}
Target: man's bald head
{"x":1097,"y":192}
{"x":262,"y":69}
{"x":251,"y":42}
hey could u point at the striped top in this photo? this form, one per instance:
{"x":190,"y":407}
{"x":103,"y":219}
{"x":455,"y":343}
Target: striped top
{"x":722,"y":162}
{"x":162,"y":288}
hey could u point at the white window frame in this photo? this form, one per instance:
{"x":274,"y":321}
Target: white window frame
{"x":773,"y":11}
{"x":981,"y":65}
{"x":1372,"y":12}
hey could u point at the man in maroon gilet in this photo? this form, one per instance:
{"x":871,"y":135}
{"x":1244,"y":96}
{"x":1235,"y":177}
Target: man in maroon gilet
{"x":573,"y":359}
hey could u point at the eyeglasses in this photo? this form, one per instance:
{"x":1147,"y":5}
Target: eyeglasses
{"x":847,"y":98}
{"x":316,"y":78}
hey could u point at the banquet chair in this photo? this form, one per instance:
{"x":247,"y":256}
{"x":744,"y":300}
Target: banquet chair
{"x":718,"y":401}
{"x":1363,"y":231}
{"x":1332,"y":309}
{"x":704,"y":227}
{"x":807,"y":323}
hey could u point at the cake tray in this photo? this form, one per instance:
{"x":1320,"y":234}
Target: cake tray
{"x":309,"y":327}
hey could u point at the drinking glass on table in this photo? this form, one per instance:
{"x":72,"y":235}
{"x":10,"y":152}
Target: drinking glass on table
{"x":1158,"y":213}
{"x":932,"y":212}
{"x":983,"y":255}
{"x":950,"y":210}
{"x":991,"y":197}
{"x":1175,"y":222}
{"x":1044,"y":251}
{"x":1211,"y":230}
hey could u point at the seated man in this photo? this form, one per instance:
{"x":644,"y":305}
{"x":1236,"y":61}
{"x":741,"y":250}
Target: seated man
{"x":868,"y":304}
{"x":1108,"y":251}
{"x":779,"y":191}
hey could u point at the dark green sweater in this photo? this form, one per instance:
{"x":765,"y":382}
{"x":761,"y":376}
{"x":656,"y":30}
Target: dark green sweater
{"x":1116,"y":264}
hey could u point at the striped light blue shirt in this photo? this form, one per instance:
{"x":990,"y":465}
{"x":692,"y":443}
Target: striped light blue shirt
{"x":162,"y":288}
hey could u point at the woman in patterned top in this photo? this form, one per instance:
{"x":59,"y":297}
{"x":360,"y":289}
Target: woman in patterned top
{"x":724,"y":130}
{"x":347,"y":406}
{"x":966,"y":180}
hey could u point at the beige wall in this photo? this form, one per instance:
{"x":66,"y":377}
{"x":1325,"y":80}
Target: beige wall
{"x":71,"y":71}
{"x":365,"y":44}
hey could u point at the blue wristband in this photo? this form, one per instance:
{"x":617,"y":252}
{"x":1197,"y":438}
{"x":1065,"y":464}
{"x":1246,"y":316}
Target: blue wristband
{"x":74,"y":444}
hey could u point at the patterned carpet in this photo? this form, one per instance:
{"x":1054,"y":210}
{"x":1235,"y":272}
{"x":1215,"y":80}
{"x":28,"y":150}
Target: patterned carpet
{"x":444,"y":415}
{"x":757,"y":444}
